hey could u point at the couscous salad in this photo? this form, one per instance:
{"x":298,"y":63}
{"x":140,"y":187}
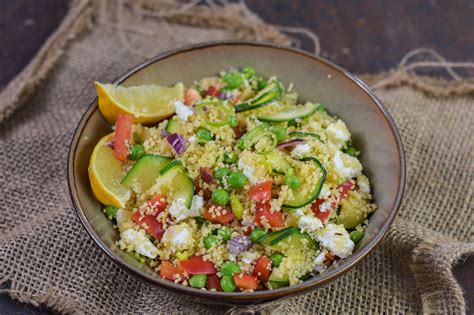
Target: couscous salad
{"x":230,"y":184}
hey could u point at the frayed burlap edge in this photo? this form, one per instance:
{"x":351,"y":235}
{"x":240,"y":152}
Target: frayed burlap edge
{"x":422,"y":252}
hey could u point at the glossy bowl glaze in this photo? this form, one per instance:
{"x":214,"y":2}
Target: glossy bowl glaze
{"x":316,"y":79}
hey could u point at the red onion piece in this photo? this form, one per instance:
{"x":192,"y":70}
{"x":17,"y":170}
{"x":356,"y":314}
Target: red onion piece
{"x":239,"y":244}
{"x":177,"y":142}
{"x":110,"y":144}
{"x":290,"y":143}
{"x":206,"y":174}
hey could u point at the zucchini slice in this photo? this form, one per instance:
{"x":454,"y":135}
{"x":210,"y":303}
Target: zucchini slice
{"x":300,"y":200}
{"x":271,"y":93}
{"x":145,"y":171}
{"x":294,"y":241}
{"x":300,"y":135}
{"x":275,"y":237}
{"x":288,"y":113}
{"x":174,"y":176}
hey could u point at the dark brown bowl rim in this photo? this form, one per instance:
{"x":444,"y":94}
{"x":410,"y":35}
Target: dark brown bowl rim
{"x":258,"y":296}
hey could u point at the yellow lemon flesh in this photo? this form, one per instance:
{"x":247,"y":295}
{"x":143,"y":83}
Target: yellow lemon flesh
{"x":147,"y":104}
{"x":105,"y":175}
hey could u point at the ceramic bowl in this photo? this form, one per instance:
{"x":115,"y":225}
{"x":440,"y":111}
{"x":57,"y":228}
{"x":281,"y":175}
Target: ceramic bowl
{"x":373,"y":129}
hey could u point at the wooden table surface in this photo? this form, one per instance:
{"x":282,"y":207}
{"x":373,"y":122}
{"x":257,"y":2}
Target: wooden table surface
{"x":361,"y":36}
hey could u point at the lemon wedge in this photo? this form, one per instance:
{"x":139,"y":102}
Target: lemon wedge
{"x":105,"y":175}
{"x":148,"y":104}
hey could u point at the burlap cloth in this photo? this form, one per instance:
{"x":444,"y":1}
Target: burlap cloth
{"x":46,"y":257}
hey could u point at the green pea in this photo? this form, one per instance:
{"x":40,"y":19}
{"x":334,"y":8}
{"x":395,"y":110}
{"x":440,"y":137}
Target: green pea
{"x":220,"y":173}
{"x":224,"y":233}
{"x":257,"y":234}
{"x":204,"y":134}
{"x":198,"y":281}
{"x":293,"y":182}
{"x":233,"y":122}
{"x":233,"y":80}
{"x":276,"y":259}
{"x":228,"y":268}
{"x":261,"y":84}
{"x":210,"y":240}
{"x":280,"y":132}
{"x":351,"y":151}
{"x":136,"y":152}
{"x":230,"y":157}
{"x":237,"y":180}
{"x":356,"y":236}
{"x":220,"y":197}
{"x":228,"y":284}
{"x":248,"y":72}
{"x":110,"y":211}
{"x":291,"y":123}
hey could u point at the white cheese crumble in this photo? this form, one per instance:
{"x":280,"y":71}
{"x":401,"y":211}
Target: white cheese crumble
{"x":182,"y":110}
{"x":178,"y":237}
{"x":325,"y":191}
{"x":325,"y":206}
{"x":192,"y":139}
{"x":319,"y":263}
{"x":139,"y":242}
{"x":344,"y":170}
{"x":309,"y":223}
{"x":249,"y":257}
{"x":336,"y":239}
{"x":122,"y":216}
{"x":248,"y":171}
{"x":338,"y":132}
{"x":300,"y":150}
{"x":180,"y":212}
{"x":363,"y":183}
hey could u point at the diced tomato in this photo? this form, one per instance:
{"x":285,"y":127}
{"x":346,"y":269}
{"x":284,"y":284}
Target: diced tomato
{"x":262,"y":209}
{"x":196,"y":265}
{"x":170,"y":272}
{"x":344,"y":189}
{"x":344,"y":192}
{"x":150,"y":224}
{"x":262,"y":269}
{"x":247,"y":230}
{"x":212,"y":91}
{"x":213,"y":282}
{"x":122,"y":136}
{"x":245,"y":282}
{"x":218,"y":214}
{"x":261,"y":191}
{"x":158,"y":202}
{"x":191,"y":96}
{"x":236,"y":99}
{"x":323,"y":216}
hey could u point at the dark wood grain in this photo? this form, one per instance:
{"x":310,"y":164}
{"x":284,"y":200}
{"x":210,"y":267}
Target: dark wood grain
{"x":362,"y":36}
{"x":371,"y":36}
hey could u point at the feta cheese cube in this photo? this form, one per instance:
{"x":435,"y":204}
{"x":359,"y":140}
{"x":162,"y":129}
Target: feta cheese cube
{"x":180,"y":212}
{"x":338,"y":133}
{"x":301,"y":150}
{"x":139,"y":242}
{"x":178,"y":237}
{"x":346,"y":166}
{"x":183,"y":111}
{"x":336,"y":239}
